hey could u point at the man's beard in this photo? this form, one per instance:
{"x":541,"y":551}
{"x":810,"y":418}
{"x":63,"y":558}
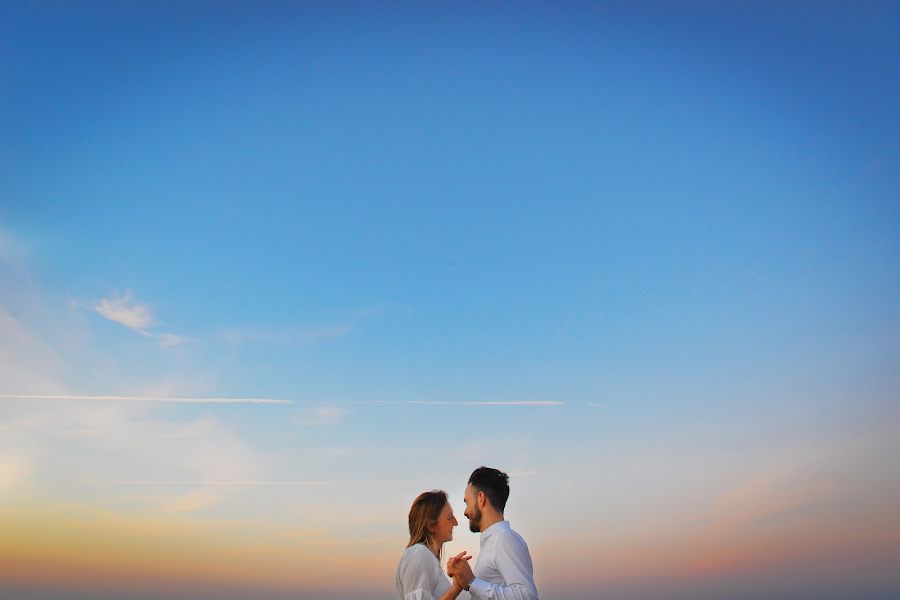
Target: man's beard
{"x":475,"y":520}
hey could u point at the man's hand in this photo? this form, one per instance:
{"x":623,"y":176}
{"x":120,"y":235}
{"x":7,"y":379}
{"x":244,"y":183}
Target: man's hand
{"x":458,"y":568}
{"x":454,"y":563}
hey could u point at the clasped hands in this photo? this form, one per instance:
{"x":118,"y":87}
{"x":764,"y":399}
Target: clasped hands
{"x":458,"y":568}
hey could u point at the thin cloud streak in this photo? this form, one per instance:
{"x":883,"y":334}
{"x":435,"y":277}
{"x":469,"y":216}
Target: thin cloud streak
{"x":324,"y":415}
{"x":147,"y":399}
{"x":167,"y":340}
{"x":449,"y":403}
{"x":285,"y":335}
{"x":216,"y":482}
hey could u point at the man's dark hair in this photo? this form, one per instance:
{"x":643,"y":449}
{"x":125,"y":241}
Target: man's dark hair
{"x":494,"y":484}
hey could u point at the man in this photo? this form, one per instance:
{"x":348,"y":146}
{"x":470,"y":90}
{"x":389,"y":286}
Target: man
{"x":504,"y":570}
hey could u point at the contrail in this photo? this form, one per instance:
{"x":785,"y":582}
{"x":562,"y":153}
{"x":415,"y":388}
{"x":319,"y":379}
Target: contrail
{"x":178,"y":400}
{"x":448,"y":403}
{"x":215,"y":482}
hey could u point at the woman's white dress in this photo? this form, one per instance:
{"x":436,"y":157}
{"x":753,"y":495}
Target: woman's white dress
{"x":419,"y":575}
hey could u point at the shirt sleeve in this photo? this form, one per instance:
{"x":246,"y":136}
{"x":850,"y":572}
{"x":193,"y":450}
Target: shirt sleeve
{"x":417,"y":576}
{"x":513,"y":561}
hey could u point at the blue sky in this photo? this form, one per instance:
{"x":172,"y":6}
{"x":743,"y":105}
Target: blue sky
{"x":674,"y":226}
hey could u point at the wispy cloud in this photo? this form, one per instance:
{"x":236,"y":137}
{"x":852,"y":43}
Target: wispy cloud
{"x":123,"y":310}
{"x":190,"y":502}
{"x":595,"y":404}
{"x":170,"y":339}
{"x":343,"y":451}
{"x":772,"y":490}
{"x":286,"y":335}
{"x":13,"y":470}
{"x":450,"y":403}
{"x":307,"y":533}
{"x":323,"y":415}
{"x":12,"y":251}
{"x":178,"y":400}
{"x":28,"y":362}
{"x":49,"y":431}
{"x":139,"y":318}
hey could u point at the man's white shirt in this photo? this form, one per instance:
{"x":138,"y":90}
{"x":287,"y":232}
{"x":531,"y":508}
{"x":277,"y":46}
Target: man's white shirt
{"x":504,"y":570}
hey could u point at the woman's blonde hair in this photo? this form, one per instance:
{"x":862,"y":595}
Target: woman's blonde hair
{"x":425,"y":511}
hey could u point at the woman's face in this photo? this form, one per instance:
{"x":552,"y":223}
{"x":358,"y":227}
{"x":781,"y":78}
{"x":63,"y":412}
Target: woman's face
{"x":443,"y":530}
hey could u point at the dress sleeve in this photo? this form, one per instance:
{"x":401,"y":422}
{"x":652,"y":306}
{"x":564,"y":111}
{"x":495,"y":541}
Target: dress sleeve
{"x":417,"y":575}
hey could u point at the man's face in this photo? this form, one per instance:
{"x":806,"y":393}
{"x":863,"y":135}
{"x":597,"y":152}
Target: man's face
{"x":472,"y":510}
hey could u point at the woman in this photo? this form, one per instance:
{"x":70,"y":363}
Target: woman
{"x":419,"y":574}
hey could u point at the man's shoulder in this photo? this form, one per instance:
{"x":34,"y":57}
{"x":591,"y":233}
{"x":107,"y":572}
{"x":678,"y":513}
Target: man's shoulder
{"x":511,"y":538}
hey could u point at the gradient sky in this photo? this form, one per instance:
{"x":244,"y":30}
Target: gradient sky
{"x":642,"y":256}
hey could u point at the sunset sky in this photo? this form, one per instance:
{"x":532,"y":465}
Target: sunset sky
{"x":270,"y":270}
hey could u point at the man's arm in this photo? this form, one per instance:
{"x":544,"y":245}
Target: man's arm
{"x":513,"y":561}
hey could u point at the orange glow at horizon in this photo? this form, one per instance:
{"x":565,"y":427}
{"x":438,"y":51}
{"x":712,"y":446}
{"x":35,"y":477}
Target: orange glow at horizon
{"x":78,"y":546}
{"x":81,"y":546}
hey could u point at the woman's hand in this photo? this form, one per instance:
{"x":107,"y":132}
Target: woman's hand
{"x":453,"y":567}
{"x":457,"y":564}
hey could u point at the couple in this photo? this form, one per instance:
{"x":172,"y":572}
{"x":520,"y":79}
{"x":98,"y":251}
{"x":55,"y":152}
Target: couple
{"x":504,"y":570}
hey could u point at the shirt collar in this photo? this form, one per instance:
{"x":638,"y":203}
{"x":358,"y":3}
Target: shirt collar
{"x":499,"y":525}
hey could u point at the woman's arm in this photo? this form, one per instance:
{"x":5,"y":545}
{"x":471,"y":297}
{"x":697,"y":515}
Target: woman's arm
{"x":453,"y":592}
{"x":455,"y":588}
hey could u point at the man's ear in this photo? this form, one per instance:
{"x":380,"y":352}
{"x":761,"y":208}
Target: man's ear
{"x":482,"y":499}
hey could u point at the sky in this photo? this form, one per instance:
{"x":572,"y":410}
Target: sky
{"x":270,"y":270}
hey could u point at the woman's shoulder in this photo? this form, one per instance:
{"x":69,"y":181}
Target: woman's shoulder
{"x":419,"y":574}
{"x":418,"y":554}
{"x":418,"y":550}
